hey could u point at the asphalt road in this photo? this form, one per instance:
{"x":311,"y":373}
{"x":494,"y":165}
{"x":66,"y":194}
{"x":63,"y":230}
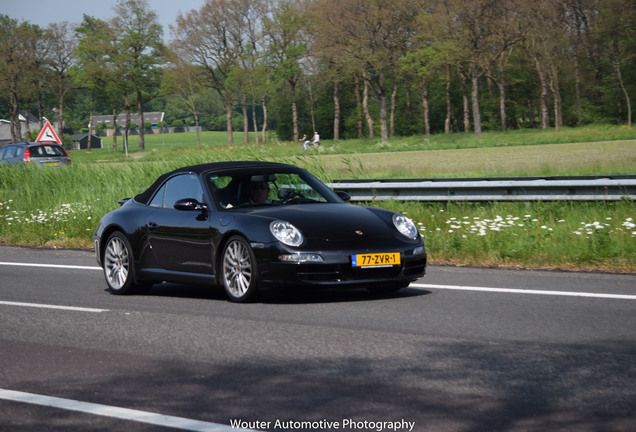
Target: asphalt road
{"x":462,"y":349}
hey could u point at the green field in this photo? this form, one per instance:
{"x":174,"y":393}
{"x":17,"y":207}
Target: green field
{"x":61,"y":207}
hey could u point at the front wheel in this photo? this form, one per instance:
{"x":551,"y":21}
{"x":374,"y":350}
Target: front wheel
{"x":119,"y":267}
{"x":239,"y":274}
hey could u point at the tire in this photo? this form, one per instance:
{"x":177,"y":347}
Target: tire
{"x":239,"y":274}
{"x":119,"y":267}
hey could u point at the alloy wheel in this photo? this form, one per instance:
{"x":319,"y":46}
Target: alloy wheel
{"x":116,"y":263}
{"x":239,"y":272}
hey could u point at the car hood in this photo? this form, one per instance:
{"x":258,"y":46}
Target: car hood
{"x":332,"y":221}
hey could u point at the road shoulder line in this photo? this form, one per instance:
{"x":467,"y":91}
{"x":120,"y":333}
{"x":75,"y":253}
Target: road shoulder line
{"x":116,"y":412}
{"x":524,"y":291}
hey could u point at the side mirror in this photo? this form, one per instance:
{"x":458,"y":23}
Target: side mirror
{"x":190,"y":204}
{"x":344,"y":196}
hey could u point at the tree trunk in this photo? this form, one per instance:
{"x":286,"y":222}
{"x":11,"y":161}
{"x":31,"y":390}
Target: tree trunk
{"x":392,"y":119}
{"x":577,"y":88}
{"x":380,"y":92}
{"x":384,"y":130}
{"x":426,"y":109}
{"x":462,"y":80}
{"x":263,"y":133}
{"x":40,"y":108}
{"x":358,"y":108}
{"x":228,"y":119}
{"x":140,"y":119}
{"x":60,"y":117}
{"x":577,"y":65}
{"x":254,"y":122}
{"x":90,"y":124}
{"x":294,"y":111}
{"x":365,"y":108}
{"x":115,"y":126}
{"x":543,"y":99}
{"x":246,"y":123}
{"x":127,"y":124}
{"x":619,"y":75}
{"x":196,"y":129}
{"x":501,"y":84}
{"x":556,"y":92}
{"x":336,"y":112}
{"x":311,"y":109}
{"x":475,"y":100}
{"x":447,"y":121}
{"x":27,"y":126}
{"x":16,"y":130}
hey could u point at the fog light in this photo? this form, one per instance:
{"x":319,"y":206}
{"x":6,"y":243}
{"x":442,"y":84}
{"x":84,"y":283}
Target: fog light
{"x":301,"y":258}
{"x":418,"y":250}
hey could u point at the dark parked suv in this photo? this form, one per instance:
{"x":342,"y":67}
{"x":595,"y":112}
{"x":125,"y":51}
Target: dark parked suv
{"x":41,"y":154}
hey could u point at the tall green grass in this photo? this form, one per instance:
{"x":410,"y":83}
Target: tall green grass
{"x":565,"y":235}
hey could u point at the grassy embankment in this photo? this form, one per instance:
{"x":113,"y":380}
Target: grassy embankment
{"x":60,"y":208}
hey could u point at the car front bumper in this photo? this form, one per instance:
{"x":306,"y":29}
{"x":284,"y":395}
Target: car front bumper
{"x":336,"y":269}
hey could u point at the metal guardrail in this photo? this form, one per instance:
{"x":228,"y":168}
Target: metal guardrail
{"x":606,"y":188}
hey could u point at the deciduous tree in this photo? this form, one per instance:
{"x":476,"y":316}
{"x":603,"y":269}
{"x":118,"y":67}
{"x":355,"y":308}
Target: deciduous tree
{"x":373,"y":35}
{"x":141,"y":40}
{"x":616,"y":32}
{"x":287,"y":39}
{"x":61,"y":58}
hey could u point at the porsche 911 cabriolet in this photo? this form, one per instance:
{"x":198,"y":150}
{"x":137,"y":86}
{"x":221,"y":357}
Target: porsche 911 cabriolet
{"x":249,"y":226}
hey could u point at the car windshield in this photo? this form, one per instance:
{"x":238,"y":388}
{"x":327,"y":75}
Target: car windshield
{"x":267,"y":188}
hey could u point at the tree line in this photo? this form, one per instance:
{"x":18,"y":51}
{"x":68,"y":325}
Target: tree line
{"x":349,"y":68}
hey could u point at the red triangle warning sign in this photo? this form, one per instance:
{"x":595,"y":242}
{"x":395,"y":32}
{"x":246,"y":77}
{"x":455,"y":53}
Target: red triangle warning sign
{"x":47,"y":134}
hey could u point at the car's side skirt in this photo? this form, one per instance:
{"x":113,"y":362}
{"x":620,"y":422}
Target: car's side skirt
{"x":160,"y":275}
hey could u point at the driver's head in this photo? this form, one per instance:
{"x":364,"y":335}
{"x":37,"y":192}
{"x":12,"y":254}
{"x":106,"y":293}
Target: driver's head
{"x":259,"y":191}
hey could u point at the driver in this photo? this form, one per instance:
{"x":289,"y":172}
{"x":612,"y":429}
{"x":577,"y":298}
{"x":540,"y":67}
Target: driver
{"x":259,"y":192}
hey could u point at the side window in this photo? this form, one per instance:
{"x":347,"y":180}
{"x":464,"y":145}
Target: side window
{"x":157,"y":201}
{"x":182,"y":186}
{"x":221,"y":190}
{"x":10,"y":152}
{"x":3,"y":150}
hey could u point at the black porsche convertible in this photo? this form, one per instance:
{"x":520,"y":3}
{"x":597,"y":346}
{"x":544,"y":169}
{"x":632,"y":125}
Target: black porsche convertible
{"x":248,"y":226}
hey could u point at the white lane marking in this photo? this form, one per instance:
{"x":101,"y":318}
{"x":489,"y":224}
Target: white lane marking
{"x":61,"y":266}
{"x":116,"y":412}
{"x":526,"y":291}
{"x":49,"y":306}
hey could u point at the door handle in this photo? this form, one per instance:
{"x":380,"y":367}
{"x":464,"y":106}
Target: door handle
{"x":152,"y":226}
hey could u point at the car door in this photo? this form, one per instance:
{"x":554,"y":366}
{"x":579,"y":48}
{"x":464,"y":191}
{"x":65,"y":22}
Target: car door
{"x":3,"y":153}
{"x":9,"y":154}
{"x":180,"y":240}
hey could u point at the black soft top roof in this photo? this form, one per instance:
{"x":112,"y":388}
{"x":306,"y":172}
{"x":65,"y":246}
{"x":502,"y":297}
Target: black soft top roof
{"x":145,"y":196}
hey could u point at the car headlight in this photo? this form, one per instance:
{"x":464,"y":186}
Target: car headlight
{"x":405,"y":226}
{"x":286,"y":233}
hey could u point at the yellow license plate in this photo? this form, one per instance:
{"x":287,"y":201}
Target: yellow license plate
{"x":52,"y":163}
{"x":376,"y":259}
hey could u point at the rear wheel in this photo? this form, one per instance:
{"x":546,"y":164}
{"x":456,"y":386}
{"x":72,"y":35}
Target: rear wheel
{"x":239,"y":273}
{"x":119,"y":268}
